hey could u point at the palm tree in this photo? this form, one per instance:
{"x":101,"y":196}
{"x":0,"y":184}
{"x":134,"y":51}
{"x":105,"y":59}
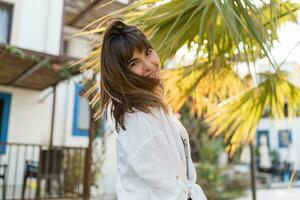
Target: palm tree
{"x":220,"y":34}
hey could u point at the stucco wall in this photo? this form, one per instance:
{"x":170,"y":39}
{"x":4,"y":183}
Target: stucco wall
{"x":36,"y":24}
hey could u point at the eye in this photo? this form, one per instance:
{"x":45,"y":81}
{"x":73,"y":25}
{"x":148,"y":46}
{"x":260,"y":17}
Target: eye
{"x":148,"y":52}
{"x":133,"y":63}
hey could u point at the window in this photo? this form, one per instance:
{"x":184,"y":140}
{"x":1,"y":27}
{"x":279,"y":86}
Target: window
{"x":266,"y":113}
{"x":286,"y":110}
{"x":81,"y":119}
{"x":4,"y":118}
{"x":5,"y":22}
{"x":284,"y":138}
{"x":262,"y":133}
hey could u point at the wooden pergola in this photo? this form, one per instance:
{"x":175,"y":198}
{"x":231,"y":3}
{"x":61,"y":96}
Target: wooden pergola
{"x":80,"y":13}
{"x":32,"y":70}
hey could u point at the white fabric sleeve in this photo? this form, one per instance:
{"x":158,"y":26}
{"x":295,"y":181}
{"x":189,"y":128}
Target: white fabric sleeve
{"x":152,"y":162}
{"x":194,"y":189}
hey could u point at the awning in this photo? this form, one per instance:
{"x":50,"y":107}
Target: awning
{"x":33,"y":70}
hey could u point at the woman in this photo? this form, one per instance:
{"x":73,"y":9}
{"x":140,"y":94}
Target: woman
{"x":153,"y":152}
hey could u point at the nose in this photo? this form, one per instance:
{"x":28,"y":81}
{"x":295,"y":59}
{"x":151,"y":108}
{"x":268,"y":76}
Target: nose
{"x":147,"y":65}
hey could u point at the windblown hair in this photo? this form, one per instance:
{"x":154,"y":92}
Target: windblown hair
{"x":123,"y":91}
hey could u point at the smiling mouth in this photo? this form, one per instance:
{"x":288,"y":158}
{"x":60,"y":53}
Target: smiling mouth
{"x":152,"y":74}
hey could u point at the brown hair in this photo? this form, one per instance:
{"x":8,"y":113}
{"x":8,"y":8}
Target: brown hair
{"x":120,"y":87}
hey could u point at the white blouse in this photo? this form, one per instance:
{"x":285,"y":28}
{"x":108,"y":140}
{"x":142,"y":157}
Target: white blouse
{"x":151,"y":159}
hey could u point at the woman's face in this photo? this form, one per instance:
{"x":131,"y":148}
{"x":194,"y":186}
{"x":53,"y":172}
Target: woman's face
{"x":145,"y":63}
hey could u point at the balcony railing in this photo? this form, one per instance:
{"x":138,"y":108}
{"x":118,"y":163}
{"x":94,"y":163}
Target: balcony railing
{"x":30,"y":171}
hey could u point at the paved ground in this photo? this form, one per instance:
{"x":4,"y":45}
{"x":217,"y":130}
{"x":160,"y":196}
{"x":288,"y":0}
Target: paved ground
{"x":275,"y":194}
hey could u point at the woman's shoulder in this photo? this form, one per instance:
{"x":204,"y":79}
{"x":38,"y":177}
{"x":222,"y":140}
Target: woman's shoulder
{"x":139,"y":118}
{"x":139,"y":126}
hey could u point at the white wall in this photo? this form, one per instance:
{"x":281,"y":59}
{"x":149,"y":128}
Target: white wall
{"x":36,"y":24}
{"x":30,"y":122}
{"x":64,"y":114}
{"x":31,"y":114}
{"x":30,"y":117}
{"x":292,"y":153}
{"x":79,"y":46}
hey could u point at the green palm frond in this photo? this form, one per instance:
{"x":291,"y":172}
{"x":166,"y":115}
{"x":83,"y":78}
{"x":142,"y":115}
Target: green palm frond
{"x":230,"y":27}
{"x":238,"y":116}
{"x":205,"y":86}
{"x":220,"y":28}
{"x":224,"y":32}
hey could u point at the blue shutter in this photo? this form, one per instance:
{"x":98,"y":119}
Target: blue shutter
{"x":77,"y":131}
{"x":5,"y":98}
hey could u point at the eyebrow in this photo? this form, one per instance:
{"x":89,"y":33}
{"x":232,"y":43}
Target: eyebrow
{"x":136,"y":58}
{"x":132,"y":61}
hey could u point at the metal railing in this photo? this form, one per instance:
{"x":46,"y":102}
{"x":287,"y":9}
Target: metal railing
{"x":31,"y":171}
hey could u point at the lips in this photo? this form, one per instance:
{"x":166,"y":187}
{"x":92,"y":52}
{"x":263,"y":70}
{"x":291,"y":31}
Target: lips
{"x":153,"y":74}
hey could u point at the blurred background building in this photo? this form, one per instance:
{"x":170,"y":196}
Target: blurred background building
{"x":41,"y":104}
{"x":42,"y":107}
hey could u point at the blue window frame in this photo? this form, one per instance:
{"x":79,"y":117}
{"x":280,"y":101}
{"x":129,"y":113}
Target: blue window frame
{"x":5,"y":100}
{"x":81,"y":116}
{"x":284,"y":138}
{"x":259,"y":134}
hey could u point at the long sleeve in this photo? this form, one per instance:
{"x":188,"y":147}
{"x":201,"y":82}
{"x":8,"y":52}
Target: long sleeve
{"x":152,"y":163}
{"x":195,"y":190}
{"x":150,"y":160}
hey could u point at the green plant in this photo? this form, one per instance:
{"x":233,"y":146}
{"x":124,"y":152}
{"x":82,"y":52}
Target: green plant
{"x":215,"y":182}
{"x":274,"y":156}
{"x":74,"y":165}
{"x":218,"y":186}
{"x":73,"y":171}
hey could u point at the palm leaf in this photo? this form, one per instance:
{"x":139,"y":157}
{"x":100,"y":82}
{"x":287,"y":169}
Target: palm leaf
{"x":204,"y":85}
{"x":238,"y":116}
{"x":226,"y":32}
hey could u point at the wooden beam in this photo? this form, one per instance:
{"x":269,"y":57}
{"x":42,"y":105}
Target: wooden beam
{"x":88,"y":157}
{"x":53,"y":116}
{"x":28,"y":72}
{"x":56,"y":58}
{"x":83,"y":12}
